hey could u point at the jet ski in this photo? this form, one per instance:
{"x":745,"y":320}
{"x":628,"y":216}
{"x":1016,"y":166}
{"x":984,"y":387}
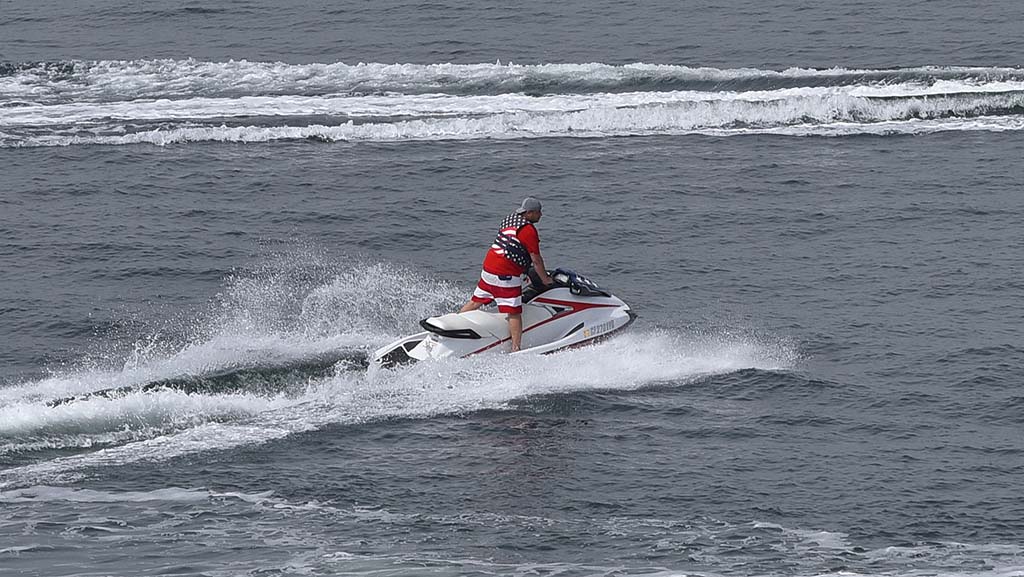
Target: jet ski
{"x":571,"y":312}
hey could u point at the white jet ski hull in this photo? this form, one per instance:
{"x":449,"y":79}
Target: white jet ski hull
{"x":573,"y":313}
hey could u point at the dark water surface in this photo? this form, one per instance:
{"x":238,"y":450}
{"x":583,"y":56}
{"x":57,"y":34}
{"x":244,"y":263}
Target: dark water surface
{"x":216,"y":211}
{"x":738,"y":34}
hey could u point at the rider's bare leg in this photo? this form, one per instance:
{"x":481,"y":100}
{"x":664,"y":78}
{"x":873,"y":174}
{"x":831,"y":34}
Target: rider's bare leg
{"x":515,"y":330}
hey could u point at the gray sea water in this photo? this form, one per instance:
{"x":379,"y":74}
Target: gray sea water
{"x":216,"y":209}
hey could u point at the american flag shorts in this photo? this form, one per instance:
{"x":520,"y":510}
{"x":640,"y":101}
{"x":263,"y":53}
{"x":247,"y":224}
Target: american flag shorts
{"x":507,"y":291}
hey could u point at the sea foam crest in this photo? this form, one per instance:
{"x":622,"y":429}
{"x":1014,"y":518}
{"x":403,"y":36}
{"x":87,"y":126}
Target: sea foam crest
{"x":131,"y":79}
{"x":168,"y":102}
{"x":865,"y":102}
{"x":827,"y":116}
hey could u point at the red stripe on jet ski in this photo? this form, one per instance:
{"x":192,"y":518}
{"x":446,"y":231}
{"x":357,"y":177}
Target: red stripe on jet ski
{"x":576,"y":307}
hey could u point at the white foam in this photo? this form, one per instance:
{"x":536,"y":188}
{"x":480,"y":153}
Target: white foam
{"x":710,"y":542}
{"x":168,"y":102}
{"x":423,"y":390}
{"x":45,"y":493}
{"x":942,"y":550}
{"x":265,"y":318}
{"x":421,"y":105}
{"x":826,"y":116}
{"x":891,"y":128}
{"x":374,"y":301}
{"x":227,"y":351}
{"x":294,"y":307}
{"x":153,"y":410}
{"x":1008,"y":571}
{"x":133,"y":79}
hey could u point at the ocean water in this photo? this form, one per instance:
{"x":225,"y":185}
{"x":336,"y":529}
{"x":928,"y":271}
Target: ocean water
{"x":217,"y":209}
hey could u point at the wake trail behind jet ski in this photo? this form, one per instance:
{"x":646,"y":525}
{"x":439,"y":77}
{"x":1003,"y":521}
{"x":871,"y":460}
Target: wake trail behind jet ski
{"x":269,"y":378}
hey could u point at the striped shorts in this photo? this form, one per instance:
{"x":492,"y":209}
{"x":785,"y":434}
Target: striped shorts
{"x":507,"y":291}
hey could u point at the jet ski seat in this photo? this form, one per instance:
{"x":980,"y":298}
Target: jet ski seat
{"x":467,"y":325}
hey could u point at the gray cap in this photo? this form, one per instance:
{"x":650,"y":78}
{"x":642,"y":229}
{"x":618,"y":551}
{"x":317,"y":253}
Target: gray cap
{"x":529,"y":203}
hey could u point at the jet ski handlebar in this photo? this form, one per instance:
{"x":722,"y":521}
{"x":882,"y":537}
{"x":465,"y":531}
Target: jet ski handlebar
{"x":563,"y":277}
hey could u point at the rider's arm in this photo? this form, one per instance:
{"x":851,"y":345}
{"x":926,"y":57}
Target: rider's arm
{"x":542,"y":271}
{"x":530,"y":239}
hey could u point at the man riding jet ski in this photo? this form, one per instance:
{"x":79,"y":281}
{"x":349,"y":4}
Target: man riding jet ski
{"x":515,"y":249}
{"x":561,"y":310}
{"x":570,"y":311}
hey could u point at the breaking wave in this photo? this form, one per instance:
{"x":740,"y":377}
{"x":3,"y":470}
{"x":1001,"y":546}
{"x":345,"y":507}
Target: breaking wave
{"x":180,"y":101}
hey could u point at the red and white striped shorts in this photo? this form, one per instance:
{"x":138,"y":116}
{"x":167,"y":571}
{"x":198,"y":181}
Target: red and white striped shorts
{"x":507,"y":291}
